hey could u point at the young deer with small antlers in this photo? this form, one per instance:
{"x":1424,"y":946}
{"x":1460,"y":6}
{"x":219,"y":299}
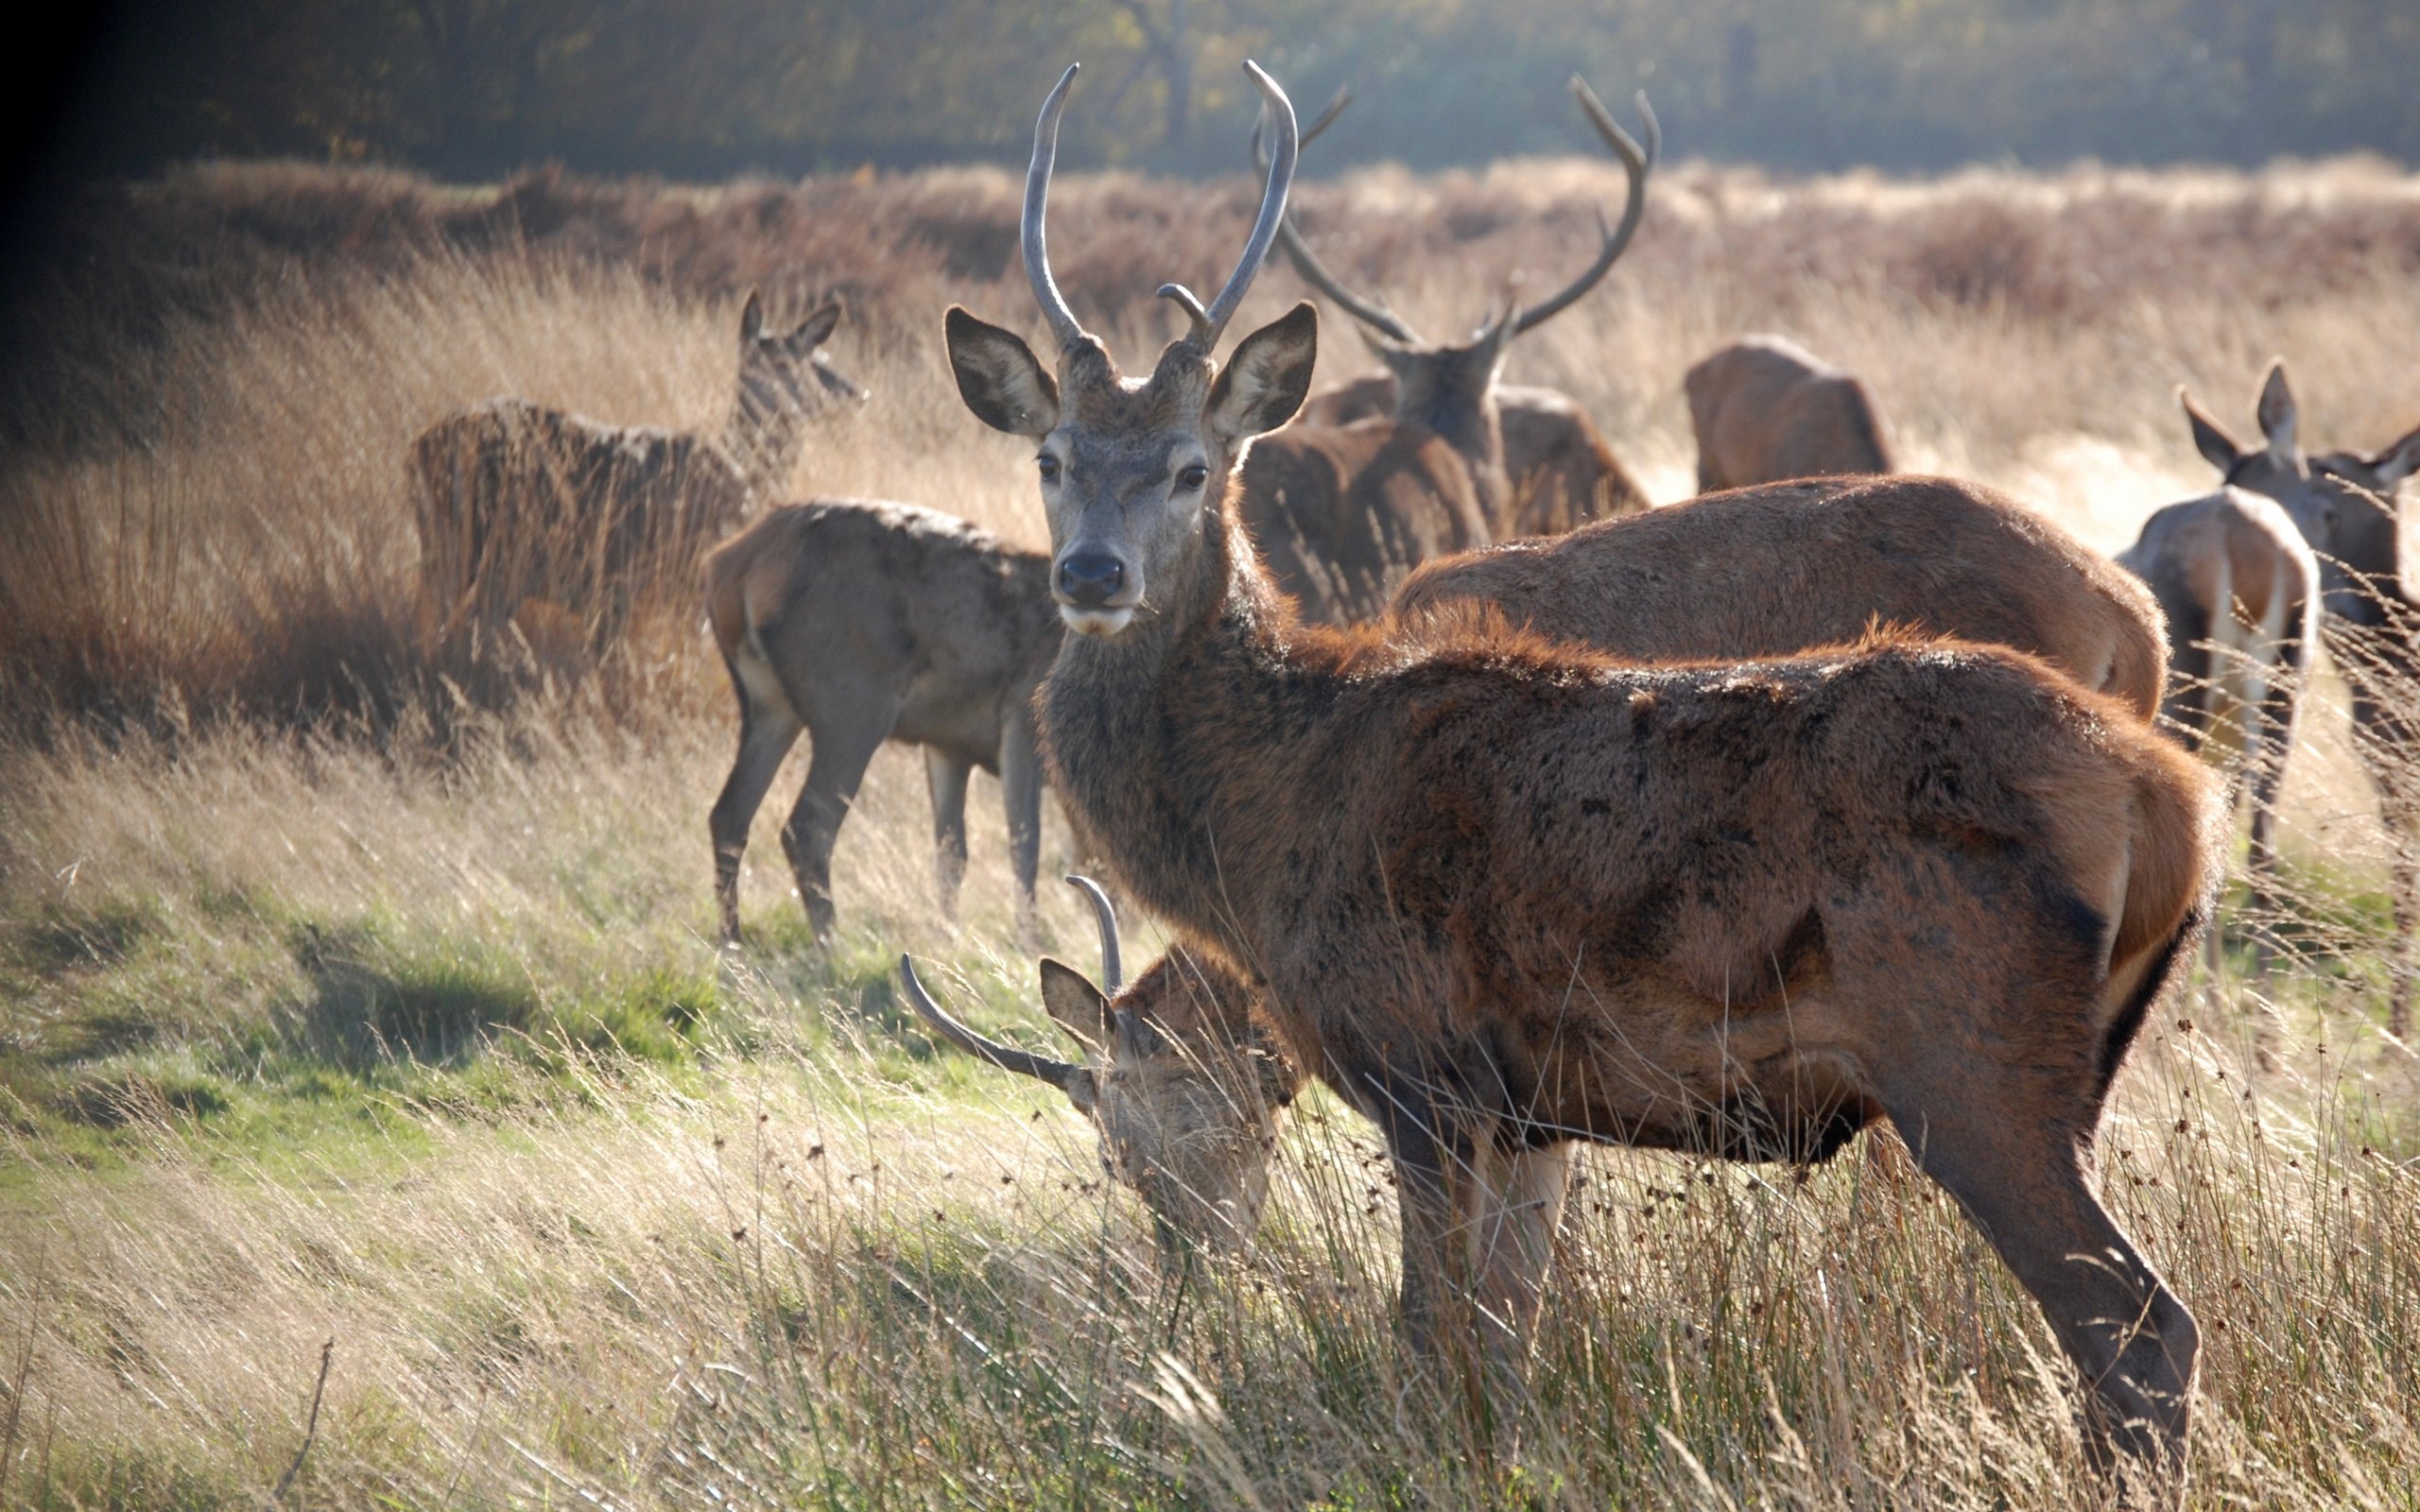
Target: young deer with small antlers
{"x":1503,"y":893}
{"x":2344,"y":503}
{"x":522,"y":505}
{"x":1766,"y":409}
{"x":1540,"y":464}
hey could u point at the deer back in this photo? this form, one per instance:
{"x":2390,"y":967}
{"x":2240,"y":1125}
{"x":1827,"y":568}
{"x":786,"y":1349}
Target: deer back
{"x":1777,"y":569}
{"x":1765,"y":409}
{"x":1341,"y":514}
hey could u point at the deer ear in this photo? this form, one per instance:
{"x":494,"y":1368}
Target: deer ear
{"x":1269,"y":376}
{"x":816,"y":329}
{"x":999,"y":377}
{"x":2209,"y":438}
{"x":2397,"y":462}
{"x":751,"y":317}
{"x":1075,"y":1005}
{"x":2278,"y":413}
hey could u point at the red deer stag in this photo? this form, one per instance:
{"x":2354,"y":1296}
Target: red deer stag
{"x":521,"y":505}
{"x":1766,"y":409}
{"x":1501,"y":894}
{"x":1541,"y":465}
{"x":2345,"y":505}
{"x":2240,"y":592}
{"x":862,"y":622}
{"x":1756,"y":572}
{"x":1187,"y":1084}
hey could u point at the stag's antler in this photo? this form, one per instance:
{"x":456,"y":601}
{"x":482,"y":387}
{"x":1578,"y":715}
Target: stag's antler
{"x":1368,"y":311}
{"x":1208,"y":323}
{"x":1639,"y":162}
{"x":1037,"y":197}
{"x":1113,"y":975}
{"x":1075,"y":1081}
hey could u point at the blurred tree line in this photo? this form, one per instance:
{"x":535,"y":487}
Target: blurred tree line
{"x":470,"y":88}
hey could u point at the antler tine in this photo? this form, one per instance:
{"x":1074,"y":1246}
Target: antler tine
{"x":1037,"y":196}
{"x":1208,"y":323}
{"x":1060,"y":1074}
{"x":1640,"y":162}
{"x":1298,"y":251}
{"x":1112,"y":974}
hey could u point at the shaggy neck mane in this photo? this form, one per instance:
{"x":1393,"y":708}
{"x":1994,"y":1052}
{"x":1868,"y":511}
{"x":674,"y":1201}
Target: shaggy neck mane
{"x":1171,"y":744}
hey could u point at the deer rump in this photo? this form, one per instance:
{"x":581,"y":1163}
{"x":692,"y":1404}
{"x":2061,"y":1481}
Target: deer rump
{"x":1689,"y":908}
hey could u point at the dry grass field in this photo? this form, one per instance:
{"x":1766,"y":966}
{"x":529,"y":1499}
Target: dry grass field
{"x":351,"y":990}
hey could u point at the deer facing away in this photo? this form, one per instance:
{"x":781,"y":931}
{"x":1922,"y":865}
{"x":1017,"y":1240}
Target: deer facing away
{"x":1343,"y":511}
{"x":522,"y":505}
{"x":2240,"y":589}
{"x":1765,"y":408}
{"x":865,"y":623}
{"x":1502,"y":894}
{"x":2345,"y":505}
{"x":1546,"y":468}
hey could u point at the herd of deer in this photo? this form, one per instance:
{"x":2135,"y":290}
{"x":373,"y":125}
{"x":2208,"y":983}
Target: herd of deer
{"x":1514,"y":811}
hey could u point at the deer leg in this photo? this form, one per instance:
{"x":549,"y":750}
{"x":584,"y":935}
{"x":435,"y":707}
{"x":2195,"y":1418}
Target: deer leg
{"x":1515,"y":1243}
{"x":945,"y":781}
{"x":768,"y":729}
{"x":2026,"y":1184}
{"x":842,"y":749}
{"x":1021,"y":795}
{"x":2272,"y":727}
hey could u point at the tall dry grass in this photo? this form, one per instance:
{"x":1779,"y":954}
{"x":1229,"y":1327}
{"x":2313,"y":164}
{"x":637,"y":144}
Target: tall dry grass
{"x":421,"y":1042}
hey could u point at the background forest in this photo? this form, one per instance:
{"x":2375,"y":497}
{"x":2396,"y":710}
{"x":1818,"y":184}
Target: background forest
{"x":469,"y":89}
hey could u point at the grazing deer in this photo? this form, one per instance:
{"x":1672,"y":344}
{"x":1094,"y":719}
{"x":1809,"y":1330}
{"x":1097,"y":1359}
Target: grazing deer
{"x":522,"y":504}
{"x":2345,"y":505}
{"x":2240,"y":592}
{"x":1541,"y":465}
{"x":1187,"y":1084}
{"x":1766,"y":409}
{"x":862,"y":622}
{"x":1502,"y":894}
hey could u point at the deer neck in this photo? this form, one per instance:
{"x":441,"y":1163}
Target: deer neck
{"x":1474,"y":428}
{"x":763,"y":441}
{"x":1162,"y":743}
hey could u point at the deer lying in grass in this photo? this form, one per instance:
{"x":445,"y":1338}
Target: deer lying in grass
{"x":1502,"y":894}
{"x":2345,"y":503}
{"x":2240,"y":592}
{"x":1540,"y":464}
{"x":1765,"y":409}
{"x":862,"y":622}
{"x":521,"y":505}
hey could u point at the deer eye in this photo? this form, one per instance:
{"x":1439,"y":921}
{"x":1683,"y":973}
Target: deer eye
{"x":1193,"y":477}
{"x":1049,"y":466}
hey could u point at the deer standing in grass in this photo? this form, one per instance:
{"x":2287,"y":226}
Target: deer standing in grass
{"x":1539,"y":463}
{"x":865,"y":623}
{"x":2344,"y":503}
{"x":1502,"y":894}
{"x":521,"y":506}
{"x":2240,"y":589}
{"x":1766,"y":409}
{"x":1187,"y":1085}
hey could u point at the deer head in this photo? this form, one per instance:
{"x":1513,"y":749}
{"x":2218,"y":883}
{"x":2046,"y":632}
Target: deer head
{"x":1186,"y":1095}
{"x":1132,"y":469}
{"x":1449,"y":386}
{"x":2333,"y":508}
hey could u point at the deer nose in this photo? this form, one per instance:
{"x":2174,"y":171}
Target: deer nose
{"x":1089,"y":580}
